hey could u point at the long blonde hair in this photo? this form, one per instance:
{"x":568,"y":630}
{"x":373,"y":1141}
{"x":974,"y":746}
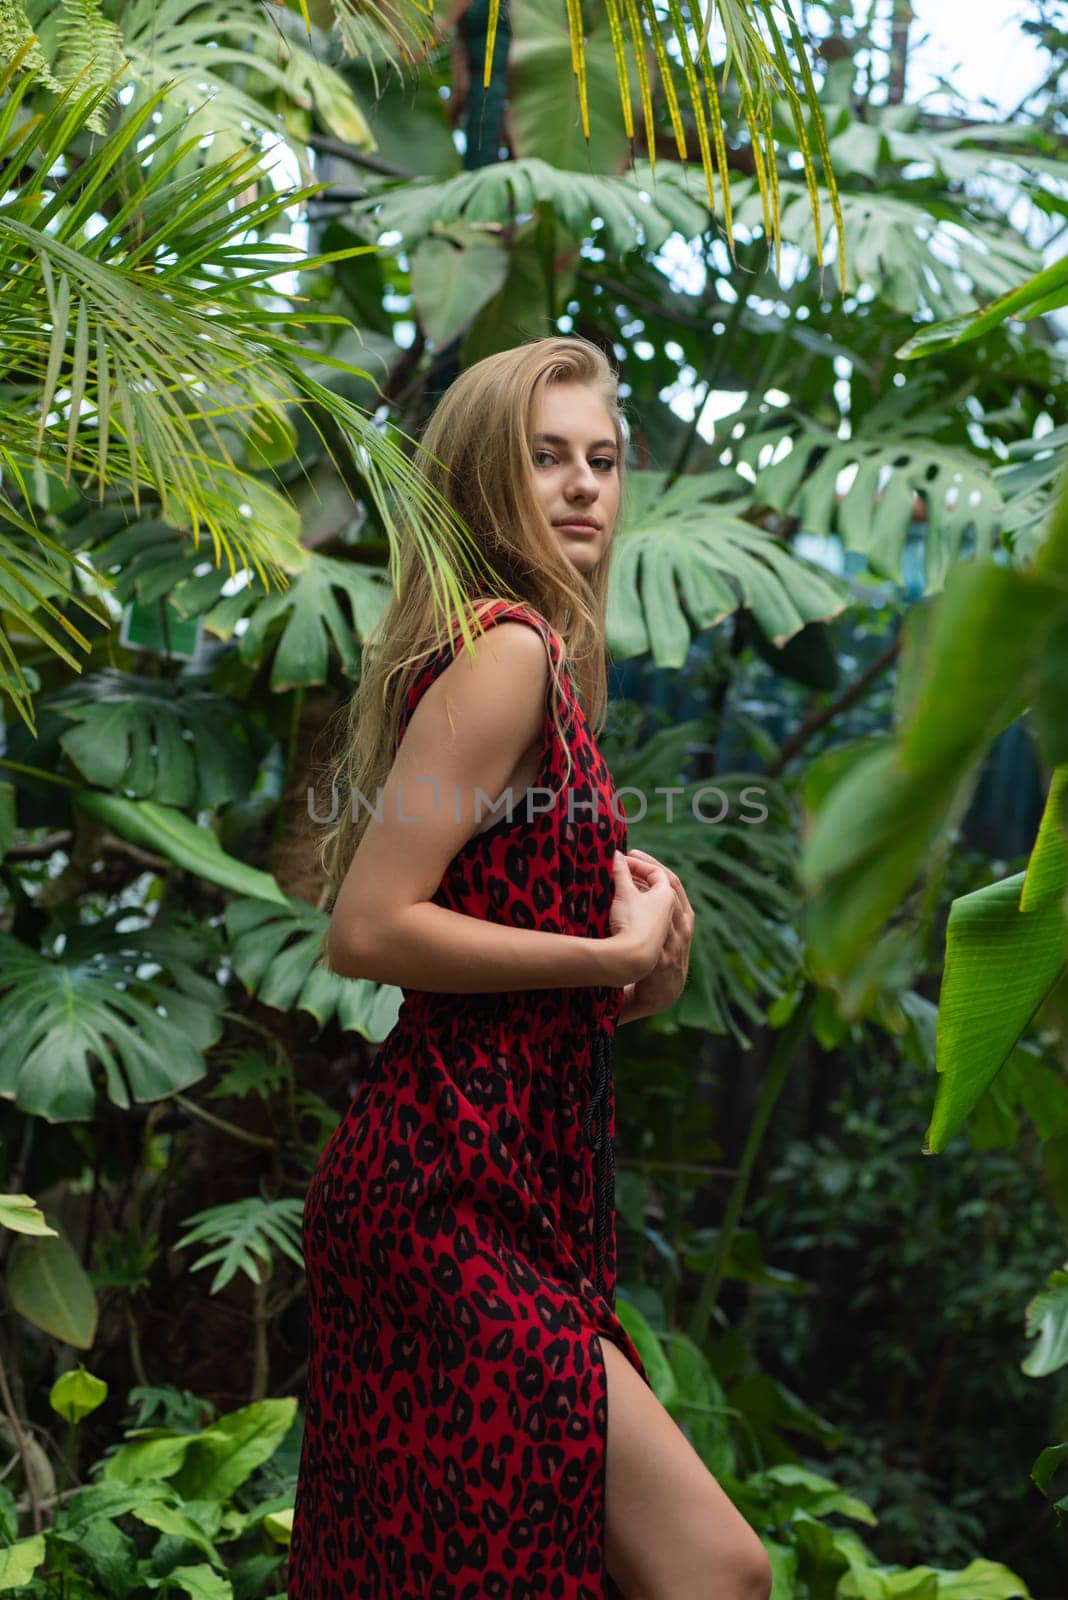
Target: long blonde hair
{"x":477,"y":450}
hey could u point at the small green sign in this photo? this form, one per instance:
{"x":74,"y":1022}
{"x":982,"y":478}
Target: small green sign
{"x":157,"y":626}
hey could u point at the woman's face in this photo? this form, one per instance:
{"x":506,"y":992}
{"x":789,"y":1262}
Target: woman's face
{"x":575,"y":471}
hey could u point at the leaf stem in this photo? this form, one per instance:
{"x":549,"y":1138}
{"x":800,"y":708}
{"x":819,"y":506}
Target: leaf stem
{"x":260,"y":1140}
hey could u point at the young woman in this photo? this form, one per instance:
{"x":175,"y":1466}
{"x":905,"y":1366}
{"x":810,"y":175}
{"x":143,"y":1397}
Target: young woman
{"x":465,"y":1354}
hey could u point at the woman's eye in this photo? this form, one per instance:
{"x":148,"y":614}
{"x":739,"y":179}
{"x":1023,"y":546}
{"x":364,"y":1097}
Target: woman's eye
{"x":538,"y":453}
{"x":609,"y":461}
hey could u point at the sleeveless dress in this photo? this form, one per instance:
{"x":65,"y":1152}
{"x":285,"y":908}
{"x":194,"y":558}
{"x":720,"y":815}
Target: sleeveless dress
{"x":459,"y":1238}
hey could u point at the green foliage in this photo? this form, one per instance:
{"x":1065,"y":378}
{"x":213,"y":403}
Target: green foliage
{"x":170,"y":371}
{"x":276,"y":954}
{"x":173,"y":743}
{"x":244,"y":1236}
{"x":47,"y":1284}
{"x":90,"y":1003}
{"x":172,"y":1511}
{"x":77,"y":1394}
{"x":680,"y":549}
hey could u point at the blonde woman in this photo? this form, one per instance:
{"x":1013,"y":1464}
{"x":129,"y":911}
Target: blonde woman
{"x":465,"y":1355}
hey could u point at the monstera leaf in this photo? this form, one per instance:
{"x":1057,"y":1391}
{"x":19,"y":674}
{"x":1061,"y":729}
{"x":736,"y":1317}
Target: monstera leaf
{"x":684,"y":562}
{"x":308,"y":617}
{"x":146,"y":559}
{"x":92,"y":1006}
{"x":634,"y":212}
{"x":943,"y":260}
{"x":275,"y":952}
{"x":159,"y":739}
{"x":891,"y":463}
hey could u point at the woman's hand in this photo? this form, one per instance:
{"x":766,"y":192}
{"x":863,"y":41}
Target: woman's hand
{"x":639,"y":917}
{"x":662,"y":986}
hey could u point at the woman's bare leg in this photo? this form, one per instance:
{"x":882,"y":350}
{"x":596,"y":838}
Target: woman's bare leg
{"x":670,"y":1531}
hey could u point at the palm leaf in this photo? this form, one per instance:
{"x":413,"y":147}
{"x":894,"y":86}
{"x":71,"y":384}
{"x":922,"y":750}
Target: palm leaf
{"x":403,"y":31}
{"x":683,"y":562}
{"x":156,"y":328}
{"x":199,"y":55}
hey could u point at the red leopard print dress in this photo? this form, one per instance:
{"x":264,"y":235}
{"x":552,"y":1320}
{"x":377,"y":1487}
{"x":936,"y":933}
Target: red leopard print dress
{"x":459,"y":1235}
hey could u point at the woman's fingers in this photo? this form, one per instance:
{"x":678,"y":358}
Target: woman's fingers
{"x":673,"y":877}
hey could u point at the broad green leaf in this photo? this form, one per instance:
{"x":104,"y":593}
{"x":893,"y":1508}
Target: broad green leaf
{"x":769,"y":1406}
{"x":275,"y":954}
{"x":1047,"y":1463}
{"x":684,"y":563}
{"x":648,"y":1346}
{"x":22,"y":1215}
{"x":783,"y":1561}
{"x":980,"y":1580}
{"x":543,"y":93}
{"x":107,"y":1555}
{"x":1001,"y":963}
{"x":77,"y":1394}
{"x":200,"y":1583}
{"x":142,"y":1462}
{"x":178,"y":1523}
{"x":454,"y":274}
{"x":279,"y":1524}
{"x":20,"y":1561}
{"x":93,"y":1005}
{"x":700,"y":1403}
{"x":881,"y":823}
{"x":95,"y":1503}
{"x":181,"y":840}
{"x":301,"y":623}
{"x":540,"y":277}
{"x":1046,"y":291}
{"x":159,"y":739}
{"x":231,"y":1450}
{"x":211,"y":1464}
{"x":1047,"y":868}
{"x":819,"y":1496}
{"x":48,"y":1285}
{"x":1047,"y":1317}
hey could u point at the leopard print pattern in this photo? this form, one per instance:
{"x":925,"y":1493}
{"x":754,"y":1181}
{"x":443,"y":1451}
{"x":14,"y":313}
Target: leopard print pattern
{"x":459,"y":1238}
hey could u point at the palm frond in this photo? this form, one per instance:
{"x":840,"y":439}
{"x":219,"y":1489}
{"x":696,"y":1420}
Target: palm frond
{"x":757,"y":51}
{"x":124,"y":346}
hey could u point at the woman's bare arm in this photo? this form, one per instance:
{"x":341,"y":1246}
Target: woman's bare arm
{"x":468,"y":732}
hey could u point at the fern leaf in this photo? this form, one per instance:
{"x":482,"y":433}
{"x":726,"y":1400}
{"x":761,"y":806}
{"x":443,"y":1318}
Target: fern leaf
{"x":90,"y":49}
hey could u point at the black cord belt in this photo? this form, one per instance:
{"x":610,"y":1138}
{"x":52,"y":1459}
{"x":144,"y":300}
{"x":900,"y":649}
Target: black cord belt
{"x":604,"y":1166}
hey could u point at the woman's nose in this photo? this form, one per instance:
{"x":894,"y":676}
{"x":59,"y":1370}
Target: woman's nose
{"x":584,"y":483}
